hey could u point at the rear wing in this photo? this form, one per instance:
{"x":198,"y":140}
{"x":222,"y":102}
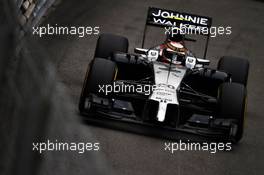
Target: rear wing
{"x":167,"y":18}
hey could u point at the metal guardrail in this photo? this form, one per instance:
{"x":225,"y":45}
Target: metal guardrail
{"x":30,"y":100}
{"x":32,"y":12}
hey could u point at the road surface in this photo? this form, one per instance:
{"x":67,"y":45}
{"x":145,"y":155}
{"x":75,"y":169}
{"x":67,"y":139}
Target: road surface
{"x":130,"y":154}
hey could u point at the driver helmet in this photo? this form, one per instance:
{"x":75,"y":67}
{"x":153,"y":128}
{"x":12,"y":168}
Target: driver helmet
{"x":174,"y":53}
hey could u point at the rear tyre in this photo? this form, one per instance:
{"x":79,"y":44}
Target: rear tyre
{"x":102,"y":72}
{"x":232,"y":104}
{"x":108,"y":43}
{"x":237,"y":67}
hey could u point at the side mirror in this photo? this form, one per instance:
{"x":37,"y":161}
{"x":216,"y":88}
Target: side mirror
{"x":141,"y":51}
{"x":203,"y":61}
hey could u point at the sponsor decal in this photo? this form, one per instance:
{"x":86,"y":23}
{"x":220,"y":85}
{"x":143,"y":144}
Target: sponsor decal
{"x":173,"y":18}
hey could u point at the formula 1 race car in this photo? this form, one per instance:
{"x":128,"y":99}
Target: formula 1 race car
{"x":176,"y":98}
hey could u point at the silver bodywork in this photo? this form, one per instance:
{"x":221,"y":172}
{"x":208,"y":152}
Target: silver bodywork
{"x":167,"y":80}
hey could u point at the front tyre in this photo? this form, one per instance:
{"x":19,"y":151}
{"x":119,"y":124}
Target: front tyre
{"x":107,"y":44}
{"x":102,"y":72}
{"x":232,"y":105}
{"x":237,"y":67}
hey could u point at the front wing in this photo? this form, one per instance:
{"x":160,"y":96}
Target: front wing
{"x":119,"y":114}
